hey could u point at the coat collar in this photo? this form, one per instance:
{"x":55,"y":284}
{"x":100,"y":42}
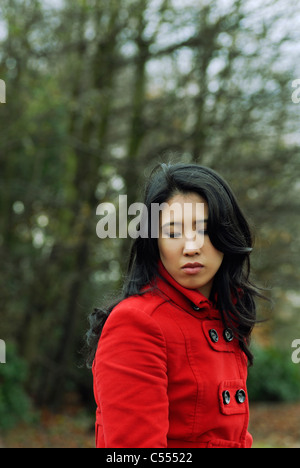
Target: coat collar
{"x":189,"y":299}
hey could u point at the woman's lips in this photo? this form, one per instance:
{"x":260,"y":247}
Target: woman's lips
{"x":192,"y":268}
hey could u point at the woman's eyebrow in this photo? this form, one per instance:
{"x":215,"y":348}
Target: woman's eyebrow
{"x":177,"y":223}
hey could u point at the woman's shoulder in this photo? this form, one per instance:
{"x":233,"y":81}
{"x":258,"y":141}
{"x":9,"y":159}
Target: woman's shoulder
{"x":143,"y":304}
{"x":133,"y":317}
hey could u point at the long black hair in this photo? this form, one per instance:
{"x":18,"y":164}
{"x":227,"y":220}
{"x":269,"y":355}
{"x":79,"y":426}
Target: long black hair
{"x":233,"y":293}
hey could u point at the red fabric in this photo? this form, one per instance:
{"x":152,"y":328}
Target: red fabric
{"x":159,"y":378}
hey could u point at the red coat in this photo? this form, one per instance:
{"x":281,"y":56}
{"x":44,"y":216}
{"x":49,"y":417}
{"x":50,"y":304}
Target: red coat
{"x":167,"y":374}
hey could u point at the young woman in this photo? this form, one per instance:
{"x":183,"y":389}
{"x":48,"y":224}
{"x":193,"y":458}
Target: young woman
{"x":170,"y":367}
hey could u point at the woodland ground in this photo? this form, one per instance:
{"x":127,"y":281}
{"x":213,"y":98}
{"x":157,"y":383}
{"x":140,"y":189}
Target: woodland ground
{"x":272,"y":426}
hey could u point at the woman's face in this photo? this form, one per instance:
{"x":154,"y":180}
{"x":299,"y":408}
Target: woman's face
{"x":184,"y":246}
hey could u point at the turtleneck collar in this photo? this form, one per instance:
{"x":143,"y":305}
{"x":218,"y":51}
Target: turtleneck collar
{"x":191,"y":300}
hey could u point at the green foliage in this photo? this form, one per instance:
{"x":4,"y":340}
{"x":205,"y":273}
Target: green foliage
{"x":15,"y":405}
{"x":273,"y":377}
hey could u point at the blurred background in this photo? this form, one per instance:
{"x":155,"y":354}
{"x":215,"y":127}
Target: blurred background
{"x":98,"y":92}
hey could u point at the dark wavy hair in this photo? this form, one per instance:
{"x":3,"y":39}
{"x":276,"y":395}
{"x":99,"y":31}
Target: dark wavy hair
{"x":232,"y":293}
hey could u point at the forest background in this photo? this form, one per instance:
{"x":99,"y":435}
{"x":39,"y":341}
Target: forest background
{"x":97,"y":93}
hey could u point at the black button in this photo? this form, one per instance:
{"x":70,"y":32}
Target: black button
{"x":226,"y":397}
{"x":228,"y":335}
{"x":213,"y":335}
{"x":240,"y":396}
{"x":196,"y":308}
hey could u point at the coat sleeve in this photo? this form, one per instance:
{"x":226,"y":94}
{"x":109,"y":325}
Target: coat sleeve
{"x":131,"y":381}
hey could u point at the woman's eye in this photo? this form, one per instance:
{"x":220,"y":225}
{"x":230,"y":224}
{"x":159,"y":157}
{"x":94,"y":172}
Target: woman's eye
{"x":178,"y":235}
{"x":172,"y":235}
{"x":203,"y":232}
{"x":175,"y":235}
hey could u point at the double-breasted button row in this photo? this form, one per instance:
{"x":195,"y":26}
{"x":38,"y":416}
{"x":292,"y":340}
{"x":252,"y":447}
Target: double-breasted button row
{"x":227,"y":334}
{"x":240,"y":396}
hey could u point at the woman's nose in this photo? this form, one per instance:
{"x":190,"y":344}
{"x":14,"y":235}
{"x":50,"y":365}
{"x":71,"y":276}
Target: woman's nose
{"x":192,"y":246}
